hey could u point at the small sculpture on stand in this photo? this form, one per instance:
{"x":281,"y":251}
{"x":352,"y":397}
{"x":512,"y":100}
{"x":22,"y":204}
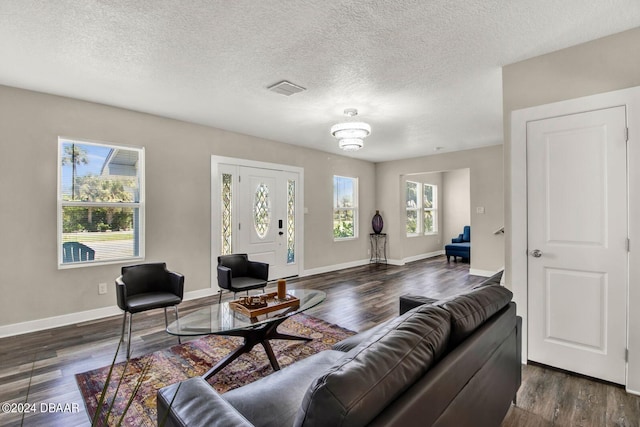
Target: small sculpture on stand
{"x":377,"y":223}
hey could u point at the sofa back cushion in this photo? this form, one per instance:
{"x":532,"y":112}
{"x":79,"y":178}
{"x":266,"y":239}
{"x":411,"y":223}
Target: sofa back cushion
{"x":470,"y":310}
{"x":374,"y":373}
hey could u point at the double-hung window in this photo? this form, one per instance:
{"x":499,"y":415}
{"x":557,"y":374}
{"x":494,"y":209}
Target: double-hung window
{"x":100,"y":203}
{"x":345,"y":207}
{"x":421,"y":208}
{"x":413,"y":200}
{"x":430,"y":208}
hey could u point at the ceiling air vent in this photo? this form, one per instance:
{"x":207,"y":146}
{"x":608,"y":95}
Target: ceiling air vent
{"x":285,"y":88}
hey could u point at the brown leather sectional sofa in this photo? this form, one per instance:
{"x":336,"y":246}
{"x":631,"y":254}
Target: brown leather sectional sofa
{"x":455,"y":362}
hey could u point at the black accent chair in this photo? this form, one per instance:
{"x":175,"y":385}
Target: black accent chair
{"x":145,"y":287}
{"x":237,"y":274}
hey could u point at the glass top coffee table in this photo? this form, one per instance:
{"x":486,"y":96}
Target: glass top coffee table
{"x":221,"y":319}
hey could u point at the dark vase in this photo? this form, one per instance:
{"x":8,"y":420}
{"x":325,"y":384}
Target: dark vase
{"x":377,"y":223}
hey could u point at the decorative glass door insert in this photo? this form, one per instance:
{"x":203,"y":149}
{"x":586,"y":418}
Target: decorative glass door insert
{"x":262,"y":210}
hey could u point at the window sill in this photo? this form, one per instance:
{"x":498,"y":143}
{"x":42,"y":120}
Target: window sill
{"x":345,"y":239}
{"x":72,"y":265}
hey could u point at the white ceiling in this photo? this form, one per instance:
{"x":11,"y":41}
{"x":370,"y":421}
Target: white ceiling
{"x":423,"y":74}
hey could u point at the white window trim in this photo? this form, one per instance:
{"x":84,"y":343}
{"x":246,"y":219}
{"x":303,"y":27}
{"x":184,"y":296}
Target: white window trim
{"x":139,"y":205}
{"x":356,"y":197}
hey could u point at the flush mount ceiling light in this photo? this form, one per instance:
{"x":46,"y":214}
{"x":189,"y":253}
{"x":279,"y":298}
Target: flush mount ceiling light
{"x":350,"y":135}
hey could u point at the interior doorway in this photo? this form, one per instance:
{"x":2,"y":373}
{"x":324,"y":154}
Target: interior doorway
{"x":520,"y":252}
{"x":577,"y":238}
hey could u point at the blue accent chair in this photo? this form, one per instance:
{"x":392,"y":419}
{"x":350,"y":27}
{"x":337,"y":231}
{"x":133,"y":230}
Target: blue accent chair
{"x":460,"y":246}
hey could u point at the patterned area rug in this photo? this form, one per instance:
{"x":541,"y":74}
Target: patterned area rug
{"x":194,"y":358}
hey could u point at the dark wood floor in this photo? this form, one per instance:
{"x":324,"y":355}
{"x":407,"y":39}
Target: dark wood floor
{"x":358,"y":298}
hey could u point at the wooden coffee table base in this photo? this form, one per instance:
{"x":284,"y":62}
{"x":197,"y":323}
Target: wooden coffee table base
{"x":252,"y":336}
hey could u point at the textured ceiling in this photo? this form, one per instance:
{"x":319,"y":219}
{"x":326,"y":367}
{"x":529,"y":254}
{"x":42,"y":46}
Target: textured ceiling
{"x":423,"y":74}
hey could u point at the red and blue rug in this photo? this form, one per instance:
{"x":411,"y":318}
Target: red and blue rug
{"x":194,"y":358}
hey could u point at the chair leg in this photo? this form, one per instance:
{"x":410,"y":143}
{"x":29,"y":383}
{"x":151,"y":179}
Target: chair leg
{"x":220,"y":296}
{"x":124,"y":322}
{"x":129,"y":340}
{"x":175,"y":307}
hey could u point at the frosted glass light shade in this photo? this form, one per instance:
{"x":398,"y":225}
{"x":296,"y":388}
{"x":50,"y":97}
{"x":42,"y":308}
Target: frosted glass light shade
{"x":351,"y":130}
{"x":350,"y":144}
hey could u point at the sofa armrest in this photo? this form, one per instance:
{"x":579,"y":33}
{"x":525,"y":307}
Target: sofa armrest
{"x":121,"y":294}
{"x":176,"y":282}
{"x":224,"y":277}
{"x":259,"y":270}
{"x":458,"y":239}
{"x":194,"y":403}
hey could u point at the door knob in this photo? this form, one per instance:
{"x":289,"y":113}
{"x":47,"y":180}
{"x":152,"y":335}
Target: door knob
{"x":280,"y":233}
{"x":536,"y":253}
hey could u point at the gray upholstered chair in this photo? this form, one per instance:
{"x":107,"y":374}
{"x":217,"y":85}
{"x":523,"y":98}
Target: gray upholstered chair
{"x":145,"y":287}
{"x":237,"y":274}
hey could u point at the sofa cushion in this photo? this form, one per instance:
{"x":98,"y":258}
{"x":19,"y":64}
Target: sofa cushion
{"x":470,"y":310}
{"x":353,"y":341}
{"x":496,"y":279}
{"x":370,"y":376}
{"x":273,"y":401}
{"x":408,"y":302}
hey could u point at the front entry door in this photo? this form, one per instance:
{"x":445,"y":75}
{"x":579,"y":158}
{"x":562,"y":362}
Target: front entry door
{"x":267,"y":219}
{"x":577,"y":242}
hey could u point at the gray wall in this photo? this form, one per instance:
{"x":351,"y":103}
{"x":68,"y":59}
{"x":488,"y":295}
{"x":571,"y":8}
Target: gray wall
{"x":486,"y":190}
{"x":456,"y":203}
{"x":598,"y":66}
{"x":178,"y":164}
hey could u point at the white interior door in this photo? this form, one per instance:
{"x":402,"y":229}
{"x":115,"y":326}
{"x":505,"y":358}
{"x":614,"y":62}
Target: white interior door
{"x":577,"y":242}
{"x":267,"y":219}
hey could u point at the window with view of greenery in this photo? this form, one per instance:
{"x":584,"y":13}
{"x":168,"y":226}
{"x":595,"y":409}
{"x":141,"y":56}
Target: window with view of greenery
{"x":430,"y":211}
{"x":100,"y":203}
{"x":421,"y":197}
{"x":345,"y":207}
{"x":412,"y":206}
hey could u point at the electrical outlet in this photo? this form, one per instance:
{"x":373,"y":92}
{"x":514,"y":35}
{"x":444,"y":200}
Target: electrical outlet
{"x":102,"y":288}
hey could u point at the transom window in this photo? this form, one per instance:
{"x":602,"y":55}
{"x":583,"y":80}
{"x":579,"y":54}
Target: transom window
{"x":100,"y":203}
{"x":345,"y":207}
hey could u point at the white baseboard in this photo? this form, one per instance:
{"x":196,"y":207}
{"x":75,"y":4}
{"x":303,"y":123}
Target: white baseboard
{"x":335,"y":267}
{"x":82,"y":316}
{"x":637,"y":393}
{"x":422,"y":256}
